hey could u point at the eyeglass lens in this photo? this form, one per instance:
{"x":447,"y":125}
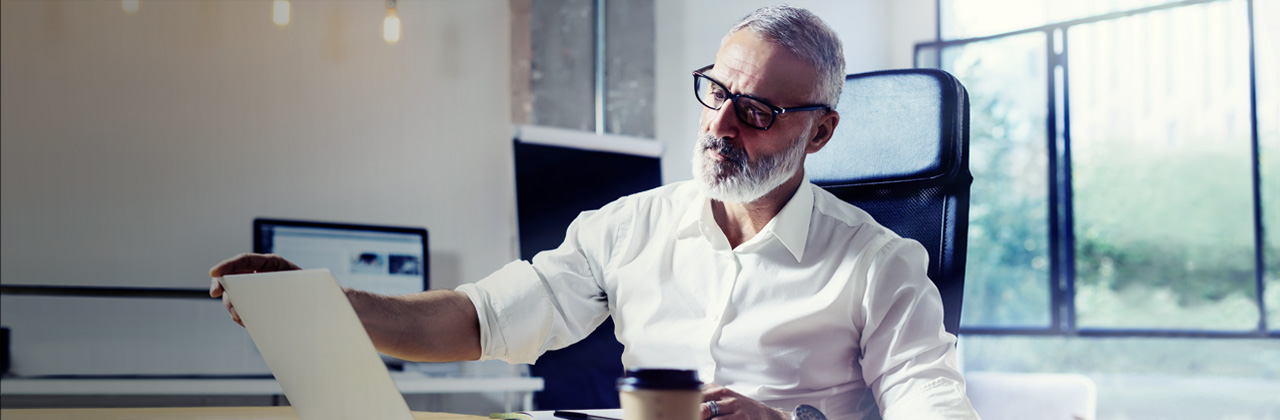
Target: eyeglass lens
{"x":750,"y":111}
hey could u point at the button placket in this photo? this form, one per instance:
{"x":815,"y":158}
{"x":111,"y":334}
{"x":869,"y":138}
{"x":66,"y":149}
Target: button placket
{"x":713,"y":288}
{"x":719,"y":301}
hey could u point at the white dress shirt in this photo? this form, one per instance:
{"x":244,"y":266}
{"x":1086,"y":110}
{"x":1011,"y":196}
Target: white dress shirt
{"x":824,"y":306}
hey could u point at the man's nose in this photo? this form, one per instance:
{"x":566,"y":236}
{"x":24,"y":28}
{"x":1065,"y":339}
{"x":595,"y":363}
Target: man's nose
{"x":722,"y":123}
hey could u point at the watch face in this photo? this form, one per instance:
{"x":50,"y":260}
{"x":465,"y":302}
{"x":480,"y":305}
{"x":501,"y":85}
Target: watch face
{"x":807,"y":412}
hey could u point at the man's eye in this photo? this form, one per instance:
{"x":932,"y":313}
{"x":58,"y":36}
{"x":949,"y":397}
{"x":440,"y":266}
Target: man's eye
{"x":756,"y":110}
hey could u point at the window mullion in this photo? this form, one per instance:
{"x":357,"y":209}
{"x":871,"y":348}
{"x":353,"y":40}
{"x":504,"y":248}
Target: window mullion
{"x":1259,"y":236}
{"x":1062,"y":228}
{"x":1057,"y":263}
{"x":1069,"y":250}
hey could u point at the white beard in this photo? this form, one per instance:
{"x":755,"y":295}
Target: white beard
{"x":737,"y":180}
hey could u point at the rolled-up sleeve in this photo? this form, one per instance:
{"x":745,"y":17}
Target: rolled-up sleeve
{"x":908,"y":358}
{"x":514,"y":312}
{"x":526,"y":309}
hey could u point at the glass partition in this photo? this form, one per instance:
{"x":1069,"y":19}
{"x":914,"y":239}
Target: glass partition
{"x":1007,"y":266}
{"x":1267,"y":64}
{"x":1162,"y":175}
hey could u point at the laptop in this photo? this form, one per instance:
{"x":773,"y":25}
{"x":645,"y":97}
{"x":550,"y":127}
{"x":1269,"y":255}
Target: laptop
{"x":315,"y":345}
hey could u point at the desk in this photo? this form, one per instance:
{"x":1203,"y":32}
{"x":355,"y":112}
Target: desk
{"x":410,"y":383}
{"x":257,"y":413}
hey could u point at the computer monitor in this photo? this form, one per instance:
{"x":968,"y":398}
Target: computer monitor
{"x":559,"y":174}
{"x":557,"y":179}
{"x":381,"y":259}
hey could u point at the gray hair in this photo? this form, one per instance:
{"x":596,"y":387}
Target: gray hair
{"x":805,"y":35}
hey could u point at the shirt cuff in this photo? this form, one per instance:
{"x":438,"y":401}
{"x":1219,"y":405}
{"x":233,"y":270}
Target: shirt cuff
{"x":942,"y":399}
{"x":514,"y":311}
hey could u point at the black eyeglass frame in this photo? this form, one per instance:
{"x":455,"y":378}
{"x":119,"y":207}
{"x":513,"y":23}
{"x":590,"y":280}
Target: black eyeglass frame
{"x":697,"y":74}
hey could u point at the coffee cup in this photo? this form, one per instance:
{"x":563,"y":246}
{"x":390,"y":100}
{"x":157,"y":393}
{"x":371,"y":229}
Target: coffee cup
{"x":660,"y":394}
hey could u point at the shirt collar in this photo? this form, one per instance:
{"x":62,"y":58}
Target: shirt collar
{"x":691,"y":223}
{"x":790,"y":225}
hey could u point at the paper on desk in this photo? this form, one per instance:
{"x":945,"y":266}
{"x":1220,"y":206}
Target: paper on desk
{"x":550,"y":414}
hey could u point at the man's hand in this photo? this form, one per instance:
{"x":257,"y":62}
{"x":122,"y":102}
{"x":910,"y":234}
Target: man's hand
{"x":244,"y":264}
{"x":735,"y":406}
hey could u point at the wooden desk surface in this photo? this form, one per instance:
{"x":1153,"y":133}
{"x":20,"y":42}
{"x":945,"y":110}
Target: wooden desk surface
{"x":204,"y":413}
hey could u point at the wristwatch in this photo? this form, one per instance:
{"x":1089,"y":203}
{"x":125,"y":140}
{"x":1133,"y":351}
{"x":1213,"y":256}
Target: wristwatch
{"x":807,"y":412}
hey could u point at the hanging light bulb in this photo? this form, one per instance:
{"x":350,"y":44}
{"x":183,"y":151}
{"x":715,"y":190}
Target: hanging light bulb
{"x":280,"y":12}
{"x":129,"y":6}
{"x":391,"y":25}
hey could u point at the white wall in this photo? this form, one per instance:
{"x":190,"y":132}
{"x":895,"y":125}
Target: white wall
{"x":911,"y":22}
{"x":875,"y":34}
{"x":137,"y":149}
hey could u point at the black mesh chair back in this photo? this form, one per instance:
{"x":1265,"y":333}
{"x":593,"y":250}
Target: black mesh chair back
{"x":900,"y":152}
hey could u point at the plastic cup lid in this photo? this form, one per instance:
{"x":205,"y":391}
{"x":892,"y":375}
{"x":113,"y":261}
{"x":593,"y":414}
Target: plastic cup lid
{"x":671,"y":379}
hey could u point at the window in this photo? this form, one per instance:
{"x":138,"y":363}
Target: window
{"x":584,"y":65}
{"x":1162,"y":173}
{"x":977,"y":18}
{"x":1267,"y":78}
{"x":1125,"y":213}
{"x":1008,"y":211}
{"x":1117,"y":189}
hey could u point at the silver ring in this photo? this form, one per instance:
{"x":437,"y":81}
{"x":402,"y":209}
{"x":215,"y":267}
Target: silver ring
{"x":715,"y":408}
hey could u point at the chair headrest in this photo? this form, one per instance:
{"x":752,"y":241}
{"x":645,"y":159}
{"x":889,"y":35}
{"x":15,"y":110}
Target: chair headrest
{"x":895,"y":126}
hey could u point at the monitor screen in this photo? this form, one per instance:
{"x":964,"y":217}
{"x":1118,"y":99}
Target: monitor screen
{"x":556,"y":183}
{"x":380,"y":259}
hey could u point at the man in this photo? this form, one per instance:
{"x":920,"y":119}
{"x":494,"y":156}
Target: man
{"x":778,"y":293}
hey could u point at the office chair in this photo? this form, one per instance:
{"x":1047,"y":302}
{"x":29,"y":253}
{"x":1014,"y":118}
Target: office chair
{"x":901,"y":152}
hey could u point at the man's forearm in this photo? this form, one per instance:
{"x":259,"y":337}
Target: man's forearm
{"x":434,"y":326}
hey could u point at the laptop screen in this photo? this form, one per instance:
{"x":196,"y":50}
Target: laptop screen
{"x":381,"y":259}
{"x":319,"y":352}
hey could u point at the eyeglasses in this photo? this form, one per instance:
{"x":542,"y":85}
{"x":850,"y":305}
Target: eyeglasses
{"x":752,"y":111}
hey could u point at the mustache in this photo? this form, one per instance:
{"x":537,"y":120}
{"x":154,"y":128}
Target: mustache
{"x":731,"y":153}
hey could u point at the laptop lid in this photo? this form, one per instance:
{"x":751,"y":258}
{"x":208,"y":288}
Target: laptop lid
{"x":315,"y":345}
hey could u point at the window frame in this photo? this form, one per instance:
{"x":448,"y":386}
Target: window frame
{"x":1061,"y":253}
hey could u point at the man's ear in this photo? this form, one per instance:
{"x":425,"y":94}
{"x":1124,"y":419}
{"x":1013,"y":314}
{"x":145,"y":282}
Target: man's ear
{"x":824,"y":128}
